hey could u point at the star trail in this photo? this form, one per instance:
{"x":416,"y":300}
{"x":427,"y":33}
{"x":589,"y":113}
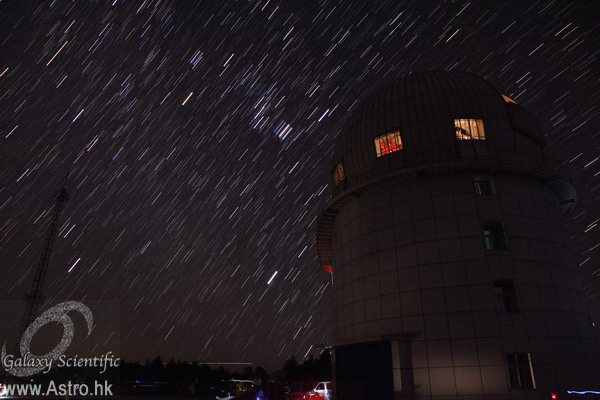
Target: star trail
{"x":198,"y":136}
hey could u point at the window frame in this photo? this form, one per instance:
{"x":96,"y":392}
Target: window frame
{"x":483,"y":178}
{"x":339,"y":174}
{"x":506,"y":298}
{"x":389,"y":137}
{"x":508,"y":99}
{"x":522,"y":369}
{"x":459,"y":123}
{"x":498,"y":238}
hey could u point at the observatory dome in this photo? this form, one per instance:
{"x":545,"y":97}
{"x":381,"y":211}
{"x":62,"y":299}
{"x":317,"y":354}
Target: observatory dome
{"x":433,"y":118}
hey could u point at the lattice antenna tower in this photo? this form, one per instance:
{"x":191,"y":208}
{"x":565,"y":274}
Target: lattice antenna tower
{"x":35,"y":297}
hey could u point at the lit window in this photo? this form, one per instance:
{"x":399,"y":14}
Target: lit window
{"x":338,"y":174}
{"x":484,"y":185}
{"x":508,"y":99}
{"x":388,"y":143}
{"x":469,"y":129}
{"x":520,"y":371}
{"x":494,"y":236}
{"x":506,"y":297}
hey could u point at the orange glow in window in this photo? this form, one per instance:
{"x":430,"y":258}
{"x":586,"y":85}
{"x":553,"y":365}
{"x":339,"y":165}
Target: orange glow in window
{"x":508,"y":99}
{"x":469,"y":129}
{"x":388,"y":143}
{"x":338,"y":174}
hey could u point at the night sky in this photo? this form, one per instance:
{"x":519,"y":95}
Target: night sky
{"x":199,"y":136}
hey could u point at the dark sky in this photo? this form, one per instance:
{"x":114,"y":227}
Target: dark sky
{"x":199,"y":135}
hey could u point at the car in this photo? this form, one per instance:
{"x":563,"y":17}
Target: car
{"x":322,"y":391}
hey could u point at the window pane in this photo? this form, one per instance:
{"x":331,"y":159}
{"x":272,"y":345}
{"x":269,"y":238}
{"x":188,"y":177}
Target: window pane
{"x":469,"y":129}
{"x":488,"y":238}
{"x":508,"y":99}
{"x":480,"y":130}
{"x":338,"y":174}
{"x":515,"y":382}
{"x":494,"y":236}
{"x":506,"y":296}
{"x":500,"y":301}
{"x":340,"y":171}
{"x":378,"y":146}
{"x":484,"y":185}
{"x":483,"y":188}
{"x":461,"y":132}
{"x":473,"y":129}
{"x":520,"y":371}
{"x":388,"y":143}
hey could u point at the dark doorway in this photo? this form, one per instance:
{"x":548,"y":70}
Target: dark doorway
{"x":365,"y":372}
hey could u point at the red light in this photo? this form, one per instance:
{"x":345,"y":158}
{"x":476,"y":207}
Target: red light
{"x":389,"y":146}
{"x":553,"y":396}
{"x":327,"y":268}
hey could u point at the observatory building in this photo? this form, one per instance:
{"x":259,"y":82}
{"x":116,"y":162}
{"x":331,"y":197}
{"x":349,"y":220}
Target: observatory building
{"x":445,"y":234}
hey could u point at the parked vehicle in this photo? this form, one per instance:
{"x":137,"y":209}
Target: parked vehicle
{"x":321,"y":392}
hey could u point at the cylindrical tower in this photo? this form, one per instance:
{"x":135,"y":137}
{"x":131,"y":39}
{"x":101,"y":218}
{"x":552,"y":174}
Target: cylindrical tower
{"x":453,"y":276}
